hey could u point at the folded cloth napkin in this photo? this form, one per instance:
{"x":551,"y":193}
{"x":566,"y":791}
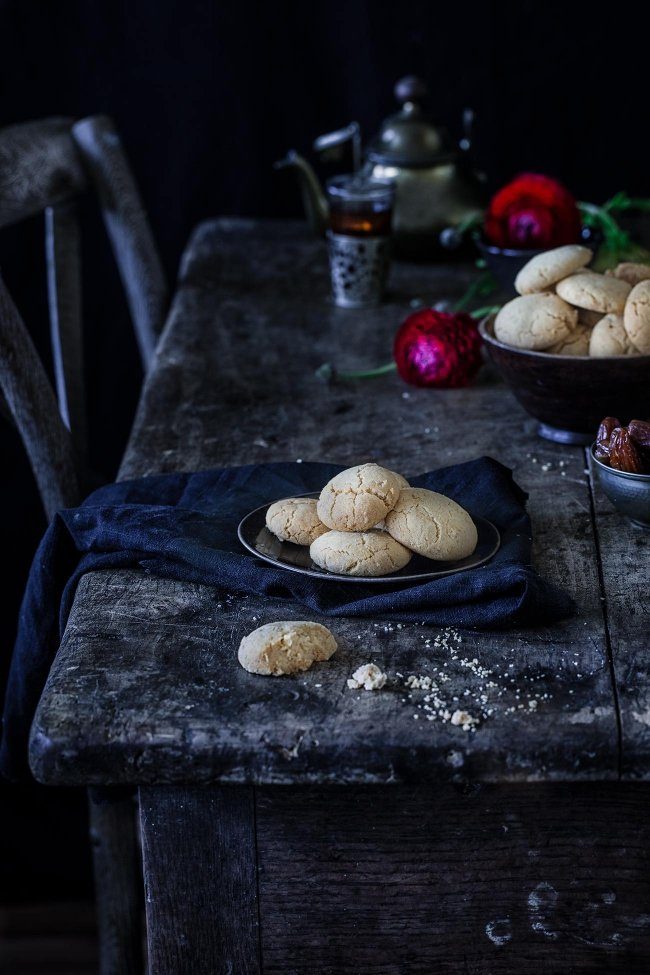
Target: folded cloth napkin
{"x":184,"y":526}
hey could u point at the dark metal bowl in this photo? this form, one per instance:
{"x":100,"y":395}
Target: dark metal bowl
{"x":505,"y":263}
{"x":629,"y":493}
{"x":570,"y":394}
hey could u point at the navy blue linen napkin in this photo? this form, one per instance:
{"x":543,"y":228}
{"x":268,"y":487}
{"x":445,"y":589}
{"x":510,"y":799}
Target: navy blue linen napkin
{"x":184,"y":526}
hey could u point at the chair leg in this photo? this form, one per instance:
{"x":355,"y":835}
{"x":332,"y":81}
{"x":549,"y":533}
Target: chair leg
{"x":118,"y":881}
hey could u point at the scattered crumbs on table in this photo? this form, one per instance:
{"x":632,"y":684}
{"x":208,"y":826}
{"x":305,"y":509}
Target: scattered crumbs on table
{"x":260,"y":442}
{"x":368,"y":676}
{"x":298,"y":460}
{"x":406,"y":395}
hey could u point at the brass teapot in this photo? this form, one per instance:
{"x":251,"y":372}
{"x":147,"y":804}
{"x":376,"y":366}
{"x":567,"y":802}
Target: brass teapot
{"x":436,"y":186}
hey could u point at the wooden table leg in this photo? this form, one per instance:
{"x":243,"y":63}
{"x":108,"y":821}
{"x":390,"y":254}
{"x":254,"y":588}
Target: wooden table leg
{"x":118,"y":881}
{"x":200,"y":872}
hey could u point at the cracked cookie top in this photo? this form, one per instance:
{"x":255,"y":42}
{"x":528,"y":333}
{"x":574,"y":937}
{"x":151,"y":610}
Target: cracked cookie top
{"x":535,"y":322}
{"x":372,"y":553}
{"x":295,"y":520}
{"x":595,"y":292}
{"x":432,"y":525}
{"x":544,"y":270}
{"x":359,"y":498}
{"x":636,"y":317}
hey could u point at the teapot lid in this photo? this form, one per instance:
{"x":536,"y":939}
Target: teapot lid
{"x":407,"y":138}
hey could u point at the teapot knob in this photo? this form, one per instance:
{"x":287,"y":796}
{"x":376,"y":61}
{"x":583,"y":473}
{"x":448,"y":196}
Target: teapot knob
{"x":410,"y":89}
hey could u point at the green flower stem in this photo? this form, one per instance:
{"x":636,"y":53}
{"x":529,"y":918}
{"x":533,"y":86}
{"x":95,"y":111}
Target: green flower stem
{"x":368,"y":373}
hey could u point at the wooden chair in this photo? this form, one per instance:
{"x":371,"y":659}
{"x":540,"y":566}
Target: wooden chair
{"x":46,"y":166}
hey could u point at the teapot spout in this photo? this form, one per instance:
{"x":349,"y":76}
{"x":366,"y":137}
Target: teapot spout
{"x":313,"y":198}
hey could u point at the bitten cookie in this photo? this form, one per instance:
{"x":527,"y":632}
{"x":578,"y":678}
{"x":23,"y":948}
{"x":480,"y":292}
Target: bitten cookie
{"x":636,"y":317}
{"x":535,"y":321}
{"x":545,"y":270}
{"x":432,"y":525}
{"x":609,"y":337}
{"x":295,"y":520}
{"x":359,"y":553}
{"x":287,"y":647}
{"x":595,"y":292}
{"x":359,"y":497}
{"x":577,"y":342}
{"x":631,"y":272}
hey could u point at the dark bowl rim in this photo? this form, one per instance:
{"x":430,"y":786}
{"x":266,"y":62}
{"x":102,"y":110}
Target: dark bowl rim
{"x":625,"y":475}
{"x":530,"y":252}
{"x":548,"y":356}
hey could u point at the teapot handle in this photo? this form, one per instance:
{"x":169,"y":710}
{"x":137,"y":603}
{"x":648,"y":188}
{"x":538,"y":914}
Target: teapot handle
{"x":350,"y":132}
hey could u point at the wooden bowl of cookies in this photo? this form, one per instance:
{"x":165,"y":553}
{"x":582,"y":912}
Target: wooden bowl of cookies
{"x":575,"y":345}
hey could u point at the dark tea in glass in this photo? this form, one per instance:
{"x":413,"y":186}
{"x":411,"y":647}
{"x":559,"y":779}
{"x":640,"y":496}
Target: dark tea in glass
{"x":360,"y":223}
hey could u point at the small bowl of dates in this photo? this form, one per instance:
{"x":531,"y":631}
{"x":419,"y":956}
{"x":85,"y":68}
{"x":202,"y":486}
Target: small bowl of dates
{"x":622,"y":462}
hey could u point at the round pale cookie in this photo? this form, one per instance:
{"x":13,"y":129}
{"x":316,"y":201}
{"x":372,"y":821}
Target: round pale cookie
{"x":359,"y":497}
{"x":544,"y":270}
{"x":432,"y":525}
{"x":359,"y":553}
{"x":295,"y":520}
{"x":636,"y":317}
{"x":595,"y":292}
{"x":287,"y":647}
{"x":577,"y":342}
{"x":631,"y":272}
{"x":535,"y":321}
{"x":608,"y":337}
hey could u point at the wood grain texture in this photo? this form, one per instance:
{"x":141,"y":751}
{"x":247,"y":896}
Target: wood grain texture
{"x":118,"y":882}
{"x":127,"y":226}
{"x":39,"y":167}
{"x":63,"y":258}
{"x":199,"y":858}
{"x":541,"y":880}
{"x":30,"y":398}
{"x":625,"y":566}
{"x":146,"y":688}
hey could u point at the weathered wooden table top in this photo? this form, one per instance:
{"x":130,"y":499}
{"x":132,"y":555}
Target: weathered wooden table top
{"x":146,"y":687}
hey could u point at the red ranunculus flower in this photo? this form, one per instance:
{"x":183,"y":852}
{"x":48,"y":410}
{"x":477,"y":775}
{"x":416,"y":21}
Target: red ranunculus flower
{"x":533,"y":212}
{"x":435,"y":348}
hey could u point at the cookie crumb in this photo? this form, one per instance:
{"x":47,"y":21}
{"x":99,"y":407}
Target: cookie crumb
{"x":465,"y":720}
{"x":368,"y":676}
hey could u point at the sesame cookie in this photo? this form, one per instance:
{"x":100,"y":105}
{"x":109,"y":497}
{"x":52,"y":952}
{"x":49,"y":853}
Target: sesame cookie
{"x":545,"y":270}
{"x":595,"y":292}
{"x":535,"y":321}
{"x":636,"y":316}
{"x":295,"y":520}
{"x":432,"y":525}
{"x":631,"y":272}
{"x":609,"y":337}
{"x":577,"y":342}
{"x":287,"y":647}
{"x":359,"y":553}
{"x":359,"y":497}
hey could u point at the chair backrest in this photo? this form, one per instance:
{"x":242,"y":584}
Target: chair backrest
{"x":32,"y":404}
{"x":46,"y":166}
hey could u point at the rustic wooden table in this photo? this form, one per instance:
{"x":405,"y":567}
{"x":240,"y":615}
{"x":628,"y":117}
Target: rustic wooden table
{"x":295,"y":826}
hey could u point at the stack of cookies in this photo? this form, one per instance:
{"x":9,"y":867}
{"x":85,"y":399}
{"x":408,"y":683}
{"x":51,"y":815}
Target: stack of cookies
{"x":566,"y":309}
{"x":368,"y":521}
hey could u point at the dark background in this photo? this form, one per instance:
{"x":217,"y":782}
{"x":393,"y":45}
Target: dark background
{"x":206,"y":96}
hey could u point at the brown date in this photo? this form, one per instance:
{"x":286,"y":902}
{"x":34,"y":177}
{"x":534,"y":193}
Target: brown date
{"x":624,"y":455}
{"x":640,"y":431}
{"x":607,"y":426}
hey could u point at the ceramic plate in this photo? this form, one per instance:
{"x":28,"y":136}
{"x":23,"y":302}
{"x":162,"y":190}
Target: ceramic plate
{"x":256,"y":537}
